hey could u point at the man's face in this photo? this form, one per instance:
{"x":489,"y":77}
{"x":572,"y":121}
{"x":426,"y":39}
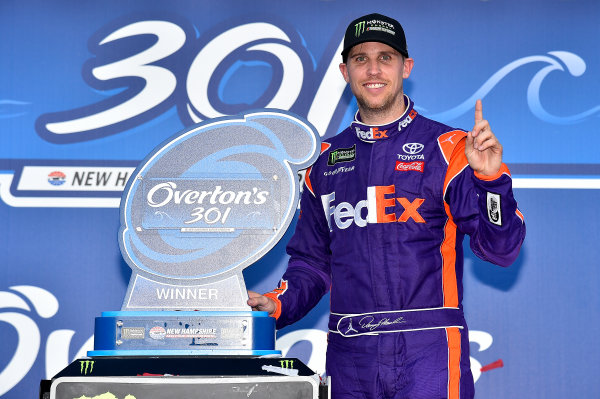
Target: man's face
{"x":375,"y":72}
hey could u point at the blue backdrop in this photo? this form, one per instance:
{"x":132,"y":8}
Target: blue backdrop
{"x":87,"y":89}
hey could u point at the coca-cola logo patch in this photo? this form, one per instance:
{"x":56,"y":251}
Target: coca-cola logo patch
{"x":417,"y":166}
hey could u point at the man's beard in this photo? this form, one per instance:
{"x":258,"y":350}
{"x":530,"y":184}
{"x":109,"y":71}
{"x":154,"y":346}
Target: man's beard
{"x":388,"y":106}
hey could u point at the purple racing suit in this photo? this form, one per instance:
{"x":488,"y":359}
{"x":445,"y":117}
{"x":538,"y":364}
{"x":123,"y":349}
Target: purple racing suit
{"x":383,"y":216}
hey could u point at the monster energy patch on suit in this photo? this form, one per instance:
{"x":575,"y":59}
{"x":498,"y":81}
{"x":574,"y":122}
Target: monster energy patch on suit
{"x":342,"y":155}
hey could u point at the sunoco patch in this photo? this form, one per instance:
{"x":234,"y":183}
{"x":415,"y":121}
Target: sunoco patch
{"x":493,"y":209}
{"x":342,"y":155}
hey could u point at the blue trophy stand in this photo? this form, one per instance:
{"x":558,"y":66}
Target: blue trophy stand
{"x":184,"y":333}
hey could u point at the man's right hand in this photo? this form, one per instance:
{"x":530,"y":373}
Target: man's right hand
{"x":261,"y":303}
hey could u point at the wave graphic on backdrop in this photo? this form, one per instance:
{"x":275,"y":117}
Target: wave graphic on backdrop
{"x":29,"y":339}
{"x":560,"y":60}
{"x":12,"y":108}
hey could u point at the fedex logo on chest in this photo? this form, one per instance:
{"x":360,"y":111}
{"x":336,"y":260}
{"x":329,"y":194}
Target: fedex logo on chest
{"x":379,"y":198}
{"x":372,"y":134}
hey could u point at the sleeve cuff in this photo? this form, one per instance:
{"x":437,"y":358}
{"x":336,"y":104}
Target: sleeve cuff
{"x":274,"y":296}
{"x":503,"y":170}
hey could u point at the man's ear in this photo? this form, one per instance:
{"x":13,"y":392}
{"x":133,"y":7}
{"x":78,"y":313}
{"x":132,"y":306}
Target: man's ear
{"x":408,"y":66}
{"x":344,"y":71}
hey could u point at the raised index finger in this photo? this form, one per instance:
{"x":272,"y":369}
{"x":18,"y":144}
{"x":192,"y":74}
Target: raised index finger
{"x":478,"y":111}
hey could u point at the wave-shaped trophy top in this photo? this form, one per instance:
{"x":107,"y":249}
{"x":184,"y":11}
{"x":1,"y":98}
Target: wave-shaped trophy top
{"x":217,"y":196}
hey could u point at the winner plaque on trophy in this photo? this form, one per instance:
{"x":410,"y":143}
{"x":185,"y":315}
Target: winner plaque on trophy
{"x":205,"y":204}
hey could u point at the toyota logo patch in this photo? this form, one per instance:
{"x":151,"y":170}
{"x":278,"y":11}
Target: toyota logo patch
{"x":412,"y":148}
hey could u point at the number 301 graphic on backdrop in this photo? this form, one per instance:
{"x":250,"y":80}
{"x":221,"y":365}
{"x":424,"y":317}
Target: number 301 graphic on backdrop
{"x":152,"y":86}
{"x":266,"y":43}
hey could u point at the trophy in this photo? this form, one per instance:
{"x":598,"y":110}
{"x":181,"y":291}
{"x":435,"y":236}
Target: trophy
{"x":205,"y":204}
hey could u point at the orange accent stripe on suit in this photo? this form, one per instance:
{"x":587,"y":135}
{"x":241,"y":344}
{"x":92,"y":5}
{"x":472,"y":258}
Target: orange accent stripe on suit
{"x":457,"y":162}
{"x":520,"y":215}
{"x":324,"y":147}
{"x":454,"y":352}
{"x":448,"y":251}
{"x":307,"y":181}
{"x":448,"y":141}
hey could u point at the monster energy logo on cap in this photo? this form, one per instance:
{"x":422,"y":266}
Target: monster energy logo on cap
{"x":374,"y":25}
{"x":359,"y":28}
{"x":375,"y":28}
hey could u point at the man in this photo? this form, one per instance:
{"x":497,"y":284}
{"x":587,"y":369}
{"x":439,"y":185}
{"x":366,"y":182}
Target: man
{"x":383,"y":216}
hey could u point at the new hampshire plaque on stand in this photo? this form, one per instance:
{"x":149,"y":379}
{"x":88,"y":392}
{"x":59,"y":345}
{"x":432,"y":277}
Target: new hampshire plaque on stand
{"x":200,"y":208}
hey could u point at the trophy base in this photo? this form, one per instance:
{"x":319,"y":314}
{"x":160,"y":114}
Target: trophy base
{"x":184,"y":333}
{"x":168,"y":377}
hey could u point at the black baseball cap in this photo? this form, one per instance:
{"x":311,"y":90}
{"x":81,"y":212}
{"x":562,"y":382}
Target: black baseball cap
{"x":375,"y":28}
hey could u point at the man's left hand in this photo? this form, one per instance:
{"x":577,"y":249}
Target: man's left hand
{"x":483,"y":150}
